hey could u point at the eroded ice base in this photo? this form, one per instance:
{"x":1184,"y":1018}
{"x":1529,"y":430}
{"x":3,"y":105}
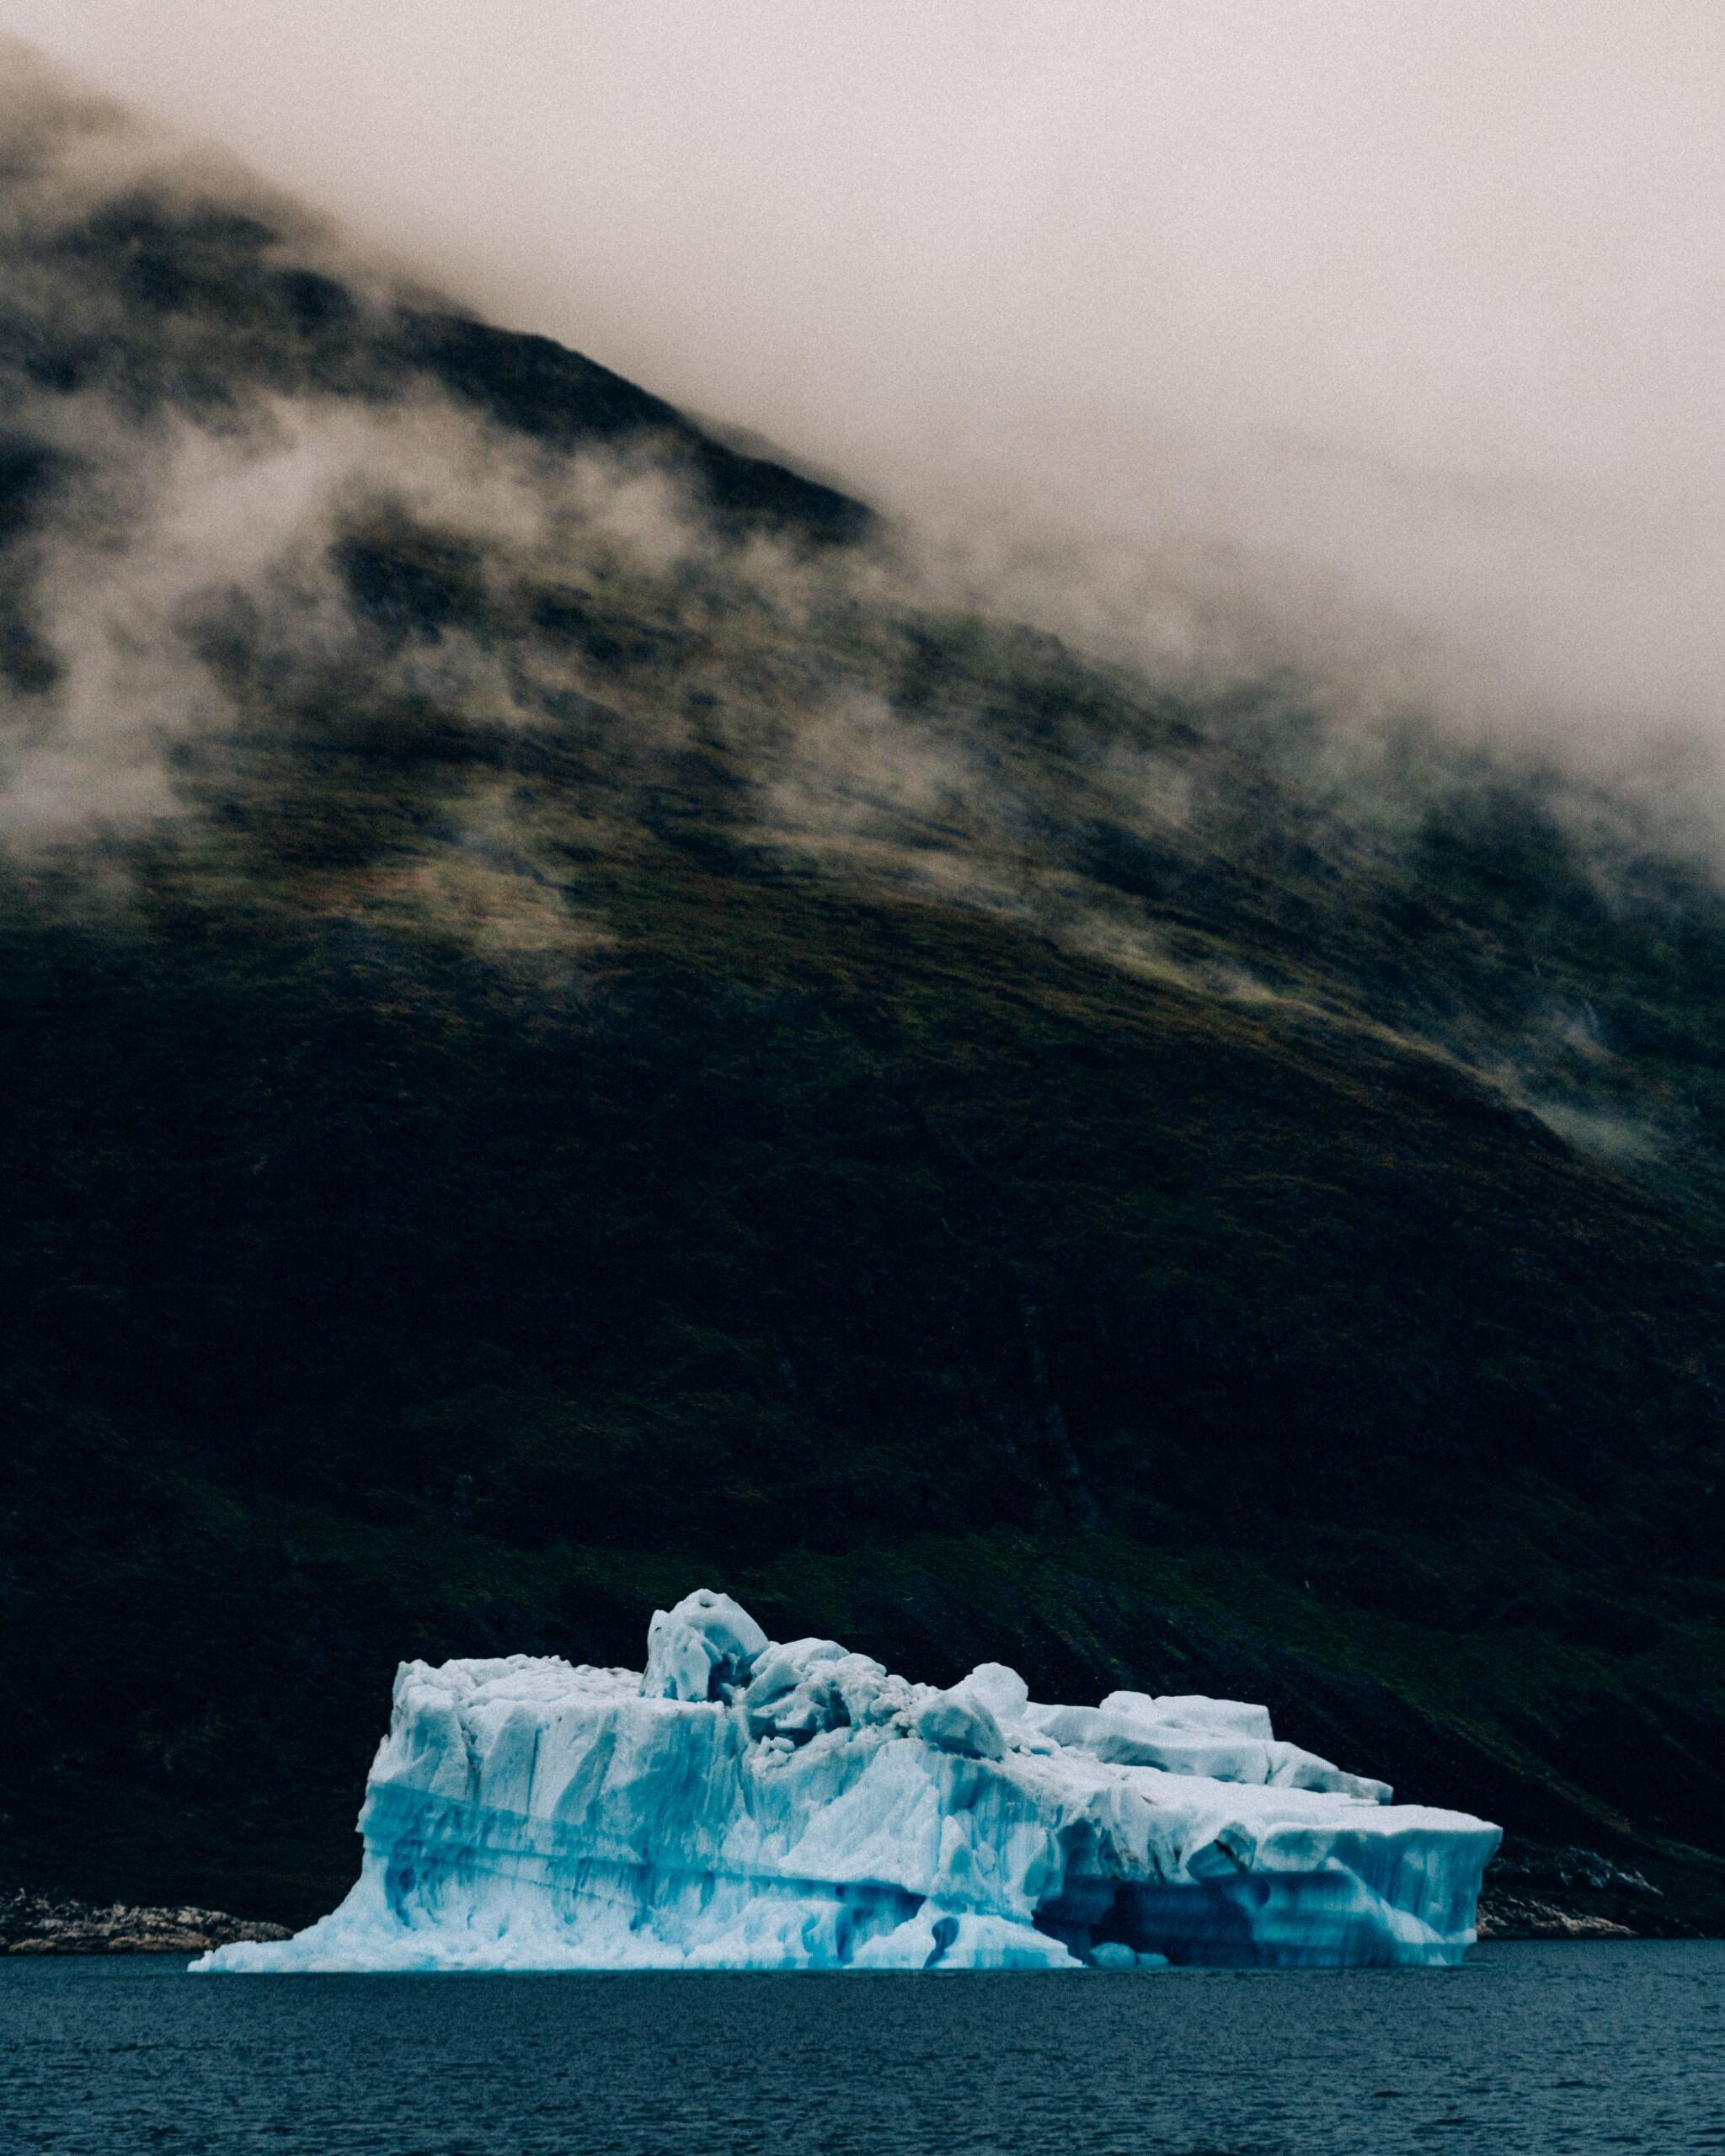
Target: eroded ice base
{"x":748,"y":1804}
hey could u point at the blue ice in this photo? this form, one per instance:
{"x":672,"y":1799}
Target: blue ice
{"x":752,"y":1804}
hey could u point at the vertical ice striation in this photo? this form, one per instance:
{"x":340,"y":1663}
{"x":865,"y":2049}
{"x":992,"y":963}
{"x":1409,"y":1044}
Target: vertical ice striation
{"x":752,"y":1804}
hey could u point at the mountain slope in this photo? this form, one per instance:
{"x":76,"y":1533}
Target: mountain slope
{"x":568,"y":1032}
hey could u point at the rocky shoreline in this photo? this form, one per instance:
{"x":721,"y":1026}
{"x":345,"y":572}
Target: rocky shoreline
{"x":1515,"y":1916}
{"x":45,"y":1923}
{"x":1533,"y":1891}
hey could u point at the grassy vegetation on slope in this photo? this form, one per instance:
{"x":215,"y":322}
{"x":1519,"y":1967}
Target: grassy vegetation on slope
{"x":609,"y":1047}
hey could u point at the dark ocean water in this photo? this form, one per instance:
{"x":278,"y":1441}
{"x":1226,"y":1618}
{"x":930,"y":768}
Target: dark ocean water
{"x":1585,"y":2047}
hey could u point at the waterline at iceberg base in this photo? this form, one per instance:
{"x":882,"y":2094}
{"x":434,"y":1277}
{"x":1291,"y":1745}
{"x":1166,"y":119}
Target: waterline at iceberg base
{"x":751,"y":1805}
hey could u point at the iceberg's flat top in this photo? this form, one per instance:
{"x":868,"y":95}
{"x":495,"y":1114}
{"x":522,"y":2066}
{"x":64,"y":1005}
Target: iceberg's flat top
{"x":744,"y":1803}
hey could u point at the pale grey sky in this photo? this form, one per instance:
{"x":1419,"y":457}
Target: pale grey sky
{"x":1409,"y":305}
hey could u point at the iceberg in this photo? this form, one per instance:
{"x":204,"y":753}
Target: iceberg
{"x":745,"y":1803}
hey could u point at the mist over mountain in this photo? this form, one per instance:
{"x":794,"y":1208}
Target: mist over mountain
{"x":1380,"y":342}
{"x":583,"y":1009}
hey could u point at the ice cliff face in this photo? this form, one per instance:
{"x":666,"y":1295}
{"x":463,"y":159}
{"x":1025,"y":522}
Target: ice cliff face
{"x":748,"y":1804}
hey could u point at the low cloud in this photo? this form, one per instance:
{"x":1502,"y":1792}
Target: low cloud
{"x":1377,"y":344}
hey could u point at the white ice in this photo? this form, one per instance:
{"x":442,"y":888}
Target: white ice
{"x":751,"y":1805}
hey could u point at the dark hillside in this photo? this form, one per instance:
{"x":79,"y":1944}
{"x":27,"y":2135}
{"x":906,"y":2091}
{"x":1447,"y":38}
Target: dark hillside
{"x":561,"y":1037}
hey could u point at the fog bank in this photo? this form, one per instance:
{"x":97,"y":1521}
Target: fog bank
{"x":1375,"y":339}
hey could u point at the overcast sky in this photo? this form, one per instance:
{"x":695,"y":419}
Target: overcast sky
{"x":1414,"y":306}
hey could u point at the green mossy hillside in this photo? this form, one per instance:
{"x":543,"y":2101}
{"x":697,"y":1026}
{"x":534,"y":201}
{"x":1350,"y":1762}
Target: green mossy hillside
{"x":566,"y":1033}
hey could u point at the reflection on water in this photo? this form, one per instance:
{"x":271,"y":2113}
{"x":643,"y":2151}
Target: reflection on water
{"x":1527,"y":2048}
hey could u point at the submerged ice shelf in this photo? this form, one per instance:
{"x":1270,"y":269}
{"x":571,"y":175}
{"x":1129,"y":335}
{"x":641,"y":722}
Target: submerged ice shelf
{"x":748,"y":1804}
